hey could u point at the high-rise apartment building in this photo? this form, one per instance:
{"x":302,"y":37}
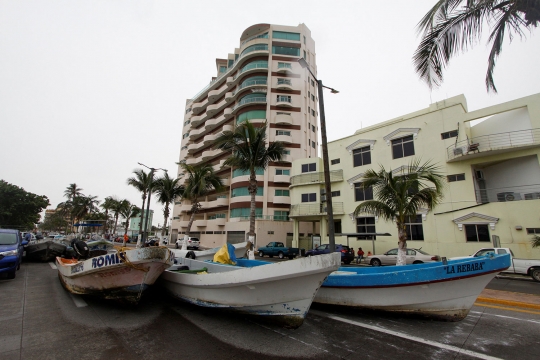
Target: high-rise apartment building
{"x":260,"y":81}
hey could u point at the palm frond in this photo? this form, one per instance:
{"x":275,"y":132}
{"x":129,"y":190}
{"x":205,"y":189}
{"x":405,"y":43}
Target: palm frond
{"x":535,"y":241}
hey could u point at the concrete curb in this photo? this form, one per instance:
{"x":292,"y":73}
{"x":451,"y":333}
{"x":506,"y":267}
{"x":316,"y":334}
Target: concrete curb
{"x":508,"y":302}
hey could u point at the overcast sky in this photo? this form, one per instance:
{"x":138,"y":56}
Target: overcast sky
{"x":90,"y":88}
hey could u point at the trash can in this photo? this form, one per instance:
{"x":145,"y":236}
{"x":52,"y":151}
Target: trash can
{"x":302,"y":252}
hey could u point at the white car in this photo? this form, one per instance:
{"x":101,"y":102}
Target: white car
{"x":414,"y":256}
{"x":192,"y":243}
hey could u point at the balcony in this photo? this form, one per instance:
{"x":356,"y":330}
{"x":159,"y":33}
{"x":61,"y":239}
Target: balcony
{"x":194,"y":147}
{"x":284,"y":84}
{"x":221,"y":221}
{"x":317,"y":209}
{"x":284,"y":118}
{"x":193,"y":160}
{"x":184,"y":223}
{"x":282,"y":200}
{"x":286,"y":158}
{"x":252,"y":83}
{"x":284,"y":68}
{"x":284,"y":101}
{"x":249,"y":101}
{"x":316,"y":177}
{"x":218,"y":202}
{"x":199,"y":223}
{"x":493,"y":144}
{"x":249,"y":68}
{"x":209,"y":154}
{"x":508,"y":194}
{"x":284,"y":138}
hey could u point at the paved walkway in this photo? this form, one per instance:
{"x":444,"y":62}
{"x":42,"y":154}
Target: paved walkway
{"x":510,"y":298}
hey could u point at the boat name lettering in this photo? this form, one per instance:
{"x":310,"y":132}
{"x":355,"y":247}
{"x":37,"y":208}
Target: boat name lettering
{"x":464,"y":268}
{"x":106,"y":260}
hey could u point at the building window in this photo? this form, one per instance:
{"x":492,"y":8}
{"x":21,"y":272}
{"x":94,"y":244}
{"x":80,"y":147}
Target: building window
{"x":222,"y":69}
{"x":313,"y":128}
{"x":238,"y":172}
{"x":449,"y":134}
{"x":312,"y":83}
{"x":336,"y":193}
{"x":365,"y":225}
{"x":413,"y":227}
{"x":532,"y":231}
{"x":281,"y":215}
{"x":311,"y":197}
{"x":257,"y":47}
{"x":243,"y":191}
{"x":283,"y":132}
{"x":281,"y":192}
{"x":185,"y":135}
{"x":312,"y":97}
{"x":313,"y":144}
{"x":304,"y":39}
{"x":475,"y":232}
{"x":286,"y":152}
{"x":283,"y":172}
{"x":313,"y":112}
{"x":244,"y":213}
{"x":455,"y":177}
{"x":403,"y":147}
{"x":337,"y":227}
{"x":334,"y":162}
{"x":250,"y":115}
{"x":285,"y":50}
{"x":361,"y":193}
{"x":283,"y":98}
{"x":362,"y":156}
{"x":286,"y":35}
{"x":304,"y":54}
{"x":309,"y":167}
{"x":281,"y":65}
{"x":284,"y":82}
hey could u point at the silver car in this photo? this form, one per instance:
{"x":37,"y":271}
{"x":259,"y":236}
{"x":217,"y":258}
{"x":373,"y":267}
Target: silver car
{"x":414,"y":256}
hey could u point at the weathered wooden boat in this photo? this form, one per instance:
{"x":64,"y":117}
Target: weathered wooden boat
{"x":437,"y":290}
{"x":44,"y":249}
{"x":239,"y":251}
{"x":281,"y":292}
{"x":121,"y":275}
{"x":99,"y":247}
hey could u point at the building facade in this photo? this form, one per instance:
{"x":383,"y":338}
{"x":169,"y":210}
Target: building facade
{"x":260,"y":81}
{"x":491,"y":160}
{"x":135,"y":221}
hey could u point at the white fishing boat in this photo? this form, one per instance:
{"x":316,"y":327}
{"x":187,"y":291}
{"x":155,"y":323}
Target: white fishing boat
{"x":281,"y":292}
{"x":239,"y":251}
{"x":438,"y":290}
{"x":120,"y":275}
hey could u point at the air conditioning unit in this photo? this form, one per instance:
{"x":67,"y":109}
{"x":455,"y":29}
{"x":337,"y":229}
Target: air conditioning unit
{"x":532,"y":196}
{"x":508,"y":196}
{"x":323,"y":198}
{"x":458,"y":151}
{"x":479,"y":174}
{"x":323,"y":191}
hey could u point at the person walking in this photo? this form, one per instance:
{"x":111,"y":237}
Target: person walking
{"x":360,"y":255}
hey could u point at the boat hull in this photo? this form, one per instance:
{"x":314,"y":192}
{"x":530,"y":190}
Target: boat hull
{"x":282,"y":292}
{"x":120,"y":276}
{"x":435,"y":290}
{"x":45,"y":250}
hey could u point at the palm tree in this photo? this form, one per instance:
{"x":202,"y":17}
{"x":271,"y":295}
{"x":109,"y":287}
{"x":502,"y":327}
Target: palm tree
{"x":143,"y":183}
{"x":452,"y":26}
{"x":117,"y":208}
{"x":167,"y":190}
{"x":200,"y":180}
{"x":107,"y":205}
{"x":84,"y":205}
{"x":535,"y":241}
{"x":128,"y":212}
{"x":402,"y":196}
{"x":247,"y":145}
{"x":72,"y":191}
{"x":65,"y":209}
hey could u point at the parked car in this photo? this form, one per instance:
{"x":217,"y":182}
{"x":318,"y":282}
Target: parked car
{"x":276,"y":248}
{"x":11,"y":251}
{"x":519,"y":266}
{"x":192,"y":243}
{"x":414,"y":256}
{"x":347,"y":255}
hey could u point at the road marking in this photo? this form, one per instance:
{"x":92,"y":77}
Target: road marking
{"x":409,"y":337}
{"x":79,"y":302}
{"x":505,"y":317}
{"x":53,"y":265}
{"x":507,"y":308}
{"x":520,"y":304}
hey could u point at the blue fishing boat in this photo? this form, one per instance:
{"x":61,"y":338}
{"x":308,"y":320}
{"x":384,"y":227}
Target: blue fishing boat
{"x":445,"y":291}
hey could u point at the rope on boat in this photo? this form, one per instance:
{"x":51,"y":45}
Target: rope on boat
{"x":126,"y":260}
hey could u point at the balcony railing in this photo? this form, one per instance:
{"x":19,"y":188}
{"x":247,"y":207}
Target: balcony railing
{"x":315,"y":209}
{"x":250,"y":100}
{"x":284,"y":82}
{"x":264,"y":217}
{"x":263,"y":36}
{"x":283,"y":99}
{"x":316,"y":177}
{"x":508,"y":194}
{"x":251,"y":83}
{"x":284,"y":66}
{"x":494,"y":142}
{"x":249,"y":67}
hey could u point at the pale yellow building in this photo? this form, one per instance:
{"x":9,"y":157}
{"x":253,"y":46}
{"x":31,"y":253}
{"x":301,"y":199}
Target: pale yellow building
{"x":259,"y":81}
{"x":489,"y":156}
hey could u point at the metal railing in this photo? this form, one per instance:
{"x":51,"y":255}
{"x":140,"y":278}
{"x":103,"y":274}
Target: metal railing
{"x":284,"y":99}
{"x":250,"y":100}
{"x":494,"y":142}
{"x":284,"y":82}
{"x":264,"y":217}
{"x":249,"y":67}
{"x":263,"y":36}
{"x":261,"y":47}
{"x":316,"y":177}
{"x":508,"y":194}
{"x":251,"y":83}
{"x":284,"y":66}
{"x":315,"y":209}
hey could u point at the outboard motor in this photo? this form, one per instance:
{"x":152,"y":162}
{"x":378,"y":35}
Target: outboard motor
{"x":81,"y":249}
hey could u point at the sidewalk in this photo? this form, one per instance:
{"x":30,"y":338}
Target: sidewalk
{"x":510,"y":298}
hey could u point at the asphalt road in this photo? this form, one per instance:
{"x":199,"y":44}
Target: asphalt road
{"x":40,"y":320}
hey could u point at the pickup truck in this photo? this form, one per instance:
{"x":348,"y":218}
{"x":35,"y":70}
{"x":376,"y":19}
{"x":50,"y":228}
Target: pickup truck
{"x":519,"y":266}
{"x":276,"y":248}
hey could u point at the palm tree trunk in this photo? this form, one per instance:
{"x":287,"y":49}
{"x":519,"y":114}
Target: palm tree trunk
{"x":402,"y":245}
{"x":253,"y":192}
{"x":194,"y":208}
{"x":166,"y":216}
{"x":115,"y":222}
{"x":140,"y":222}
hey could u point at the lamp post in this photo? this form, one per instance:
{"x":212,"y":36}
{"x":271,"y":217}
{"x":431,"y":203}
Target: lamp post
{"x":326,"y":165}
{"x":150,"y":184}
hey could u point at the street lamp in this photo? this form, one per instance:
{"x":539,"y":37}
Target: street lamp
{"x":326,"y":166}
{"x":144,"y":235}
